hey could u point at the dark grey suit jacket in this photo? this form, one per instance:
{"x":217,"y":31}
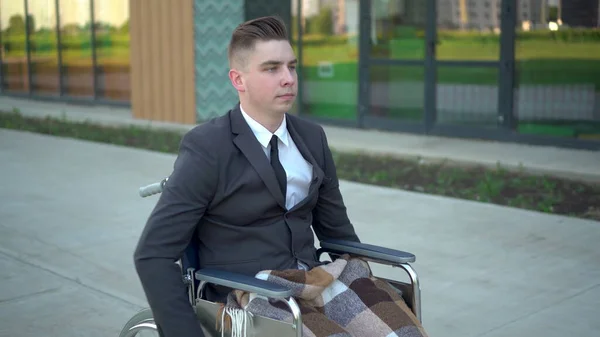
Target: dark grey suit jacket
{"x":224,"y":192}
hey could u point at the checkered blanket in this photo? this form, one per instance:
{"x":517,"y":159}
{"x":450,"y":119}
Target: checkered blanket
{"x":340,"y":299}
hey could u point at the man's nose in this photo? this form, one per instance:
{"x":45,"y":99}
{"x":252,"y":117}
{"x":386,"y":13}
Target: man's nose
{"x":288,"y":76}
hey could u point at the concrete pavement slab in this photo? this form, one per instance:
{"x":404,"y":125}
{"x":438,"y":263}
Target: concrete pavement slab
{"x":42,"y":303}
{"x":562,"y":318}
{"x":70,"y":210}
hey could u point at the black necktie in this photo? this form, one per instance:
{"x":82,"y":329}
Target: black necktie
{"x":277,"y":167}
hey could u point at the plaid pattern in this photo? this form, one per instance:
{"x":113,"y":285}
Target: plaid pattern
{"x":339,"y":299}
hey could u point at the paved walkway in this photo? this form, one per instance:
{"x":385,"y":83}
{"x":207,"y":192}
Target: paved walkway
{"x":580,"y":164}
{"x":70,"y":217}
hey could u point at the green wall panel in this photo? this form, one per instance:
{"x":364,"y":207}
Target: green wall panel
{"x":257,"y":8}
{"x":214,"y":21}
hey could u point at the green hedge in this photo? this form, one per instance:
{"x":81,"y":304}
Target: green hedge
{"x":48,"y":42}
{"x":567,"y":35}
{"x":45,"y":42}
{"x":327,"y":40}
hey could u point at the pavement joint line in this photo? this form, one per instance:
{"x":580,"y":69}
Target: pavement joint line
{"x":76,"y":280}
{"x":28,"y":295}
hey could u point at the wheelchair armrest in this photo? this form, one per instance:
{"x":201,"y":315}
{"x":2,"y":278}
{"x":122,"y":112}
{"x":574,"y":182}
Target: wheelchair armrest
{"x":243,"y":282}
{"x":387,"y":255}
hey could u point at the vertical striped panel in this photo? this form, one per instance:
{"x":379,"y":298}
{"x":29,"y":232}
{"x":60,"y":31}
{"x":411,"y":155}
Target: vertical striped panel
{"x":162,"y":60}
{"x":188,"y":13}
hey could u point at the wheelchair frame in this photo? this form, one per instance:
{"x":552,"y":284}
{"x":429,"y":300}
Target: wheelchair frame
{"x":208,"y":312}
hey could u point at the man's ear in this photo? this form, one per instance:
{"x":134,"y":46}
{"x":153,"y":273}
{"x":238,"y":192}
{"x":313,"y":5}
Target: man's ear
{"x":235,"y":76}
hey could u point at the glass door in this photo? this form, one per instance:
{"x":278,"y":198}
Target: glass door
{"x":394,"y":54}
{"x":467,"y":63}
{"x":434,"y":65}
{"x":325,"y":35}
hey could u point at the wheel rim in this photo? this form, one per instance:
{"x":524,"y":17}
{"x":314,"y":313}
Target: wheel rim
{"x":143,"y":329}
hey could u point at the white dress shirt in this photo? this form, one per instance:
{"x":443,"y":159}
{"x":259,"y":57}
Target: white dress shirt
{"x":298,"y":171}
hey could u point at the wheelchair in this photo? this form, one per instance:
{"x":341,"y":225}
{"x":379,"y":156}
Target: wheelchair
{"x":207,"y":312}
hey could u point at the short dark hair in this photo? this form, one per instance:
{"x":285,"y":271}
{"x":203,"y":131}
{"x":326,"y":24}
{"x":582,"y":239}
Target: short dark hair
{"x":246,"y":35}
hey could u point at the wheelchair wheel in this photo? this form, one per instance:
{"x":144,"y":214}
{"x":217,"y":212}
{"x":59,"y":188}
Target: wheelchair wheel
{"x":140,"y":325}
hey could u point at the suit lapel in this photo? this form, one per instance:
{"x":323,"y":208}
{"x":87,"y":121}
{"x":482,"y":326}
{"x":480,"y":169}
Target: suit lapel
{"x":252,"y":150}
{"x":318,"y":173}
{"x":303,"y":148}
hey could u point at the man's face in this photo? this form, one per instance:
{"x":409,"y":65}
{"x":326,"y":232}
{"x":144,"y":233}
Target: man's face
{"x":268,"y":80}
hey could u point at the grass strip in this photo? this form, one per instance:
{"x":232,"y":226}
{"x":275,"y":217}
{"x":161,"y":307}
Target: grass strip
{"x":491,"y":185}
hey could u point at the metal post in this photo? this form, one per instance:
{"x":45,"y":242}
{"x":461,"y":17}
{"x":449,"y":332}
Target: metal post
{"x":28,"y":46}
{"x":430,"y":104}
{"x":93,"y":46}
{"x":300,"y":68}
{"x":61,"y":81}
{"x":506,"y":71}
{"x":1,"y":62}
{"x":364,"y":53}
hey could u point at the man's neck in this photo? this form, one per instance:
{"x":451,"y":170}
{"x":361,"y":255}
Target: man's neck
{"x":270,"y":122}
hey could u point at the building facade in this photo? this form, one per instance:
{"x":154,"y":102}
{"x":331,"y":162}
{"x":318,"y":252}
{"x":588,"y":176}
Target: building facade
{"x":524,"y":70}
{"x":580,"y":13}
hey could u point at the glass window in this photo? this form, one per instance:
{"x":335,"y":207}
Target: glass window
{"x":398,"y":29}
{"x":397,"y":32}
{"x":558,"y":70}
{"x":76,"y":47}
{"x":329,"y":59}
{"x":397,"y":92}
{"x":467,"y":95}
{"x":468,"y":32}
{"x":62,"y":60}
{"x":44,"y":47}
{"x":15,"y":75}
{"x":112,"y":49}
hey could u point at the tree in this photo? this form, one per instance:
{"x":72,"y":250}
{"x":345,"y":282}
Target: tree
{"x":553,"y":13}
{"x":324,"y":21}
{"x":16,"y":24}
{"x":321,"y":23}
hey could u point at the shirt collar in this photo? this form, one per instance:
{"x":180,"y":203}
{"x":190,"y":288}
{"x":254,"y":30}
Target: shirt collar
{"x":262,"y":134}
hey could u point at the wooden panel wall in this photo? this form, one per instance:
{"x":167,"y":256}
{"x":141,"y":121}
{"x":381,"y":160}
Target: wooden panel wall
{"x":162,"y":60}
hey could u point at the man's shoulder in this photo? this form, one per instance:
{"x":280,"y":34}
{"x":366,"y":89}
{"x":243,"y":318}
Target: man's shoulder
{"x":304,"y":125}
{"x":211,"y":130}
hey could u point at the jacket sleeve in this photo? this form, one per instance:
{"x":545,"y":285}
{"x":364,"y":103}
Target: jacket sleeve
{"x":330,"y":219}
{"x":168,"y":231}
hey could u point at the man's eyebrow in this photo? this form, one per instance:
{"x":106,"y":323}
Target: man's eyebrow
{"x":275,"y":63}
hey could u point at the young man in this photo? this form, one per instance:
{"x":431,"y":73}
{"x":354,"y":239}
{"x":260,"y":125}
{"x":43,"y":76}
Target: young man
{"x":248,"y":186}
